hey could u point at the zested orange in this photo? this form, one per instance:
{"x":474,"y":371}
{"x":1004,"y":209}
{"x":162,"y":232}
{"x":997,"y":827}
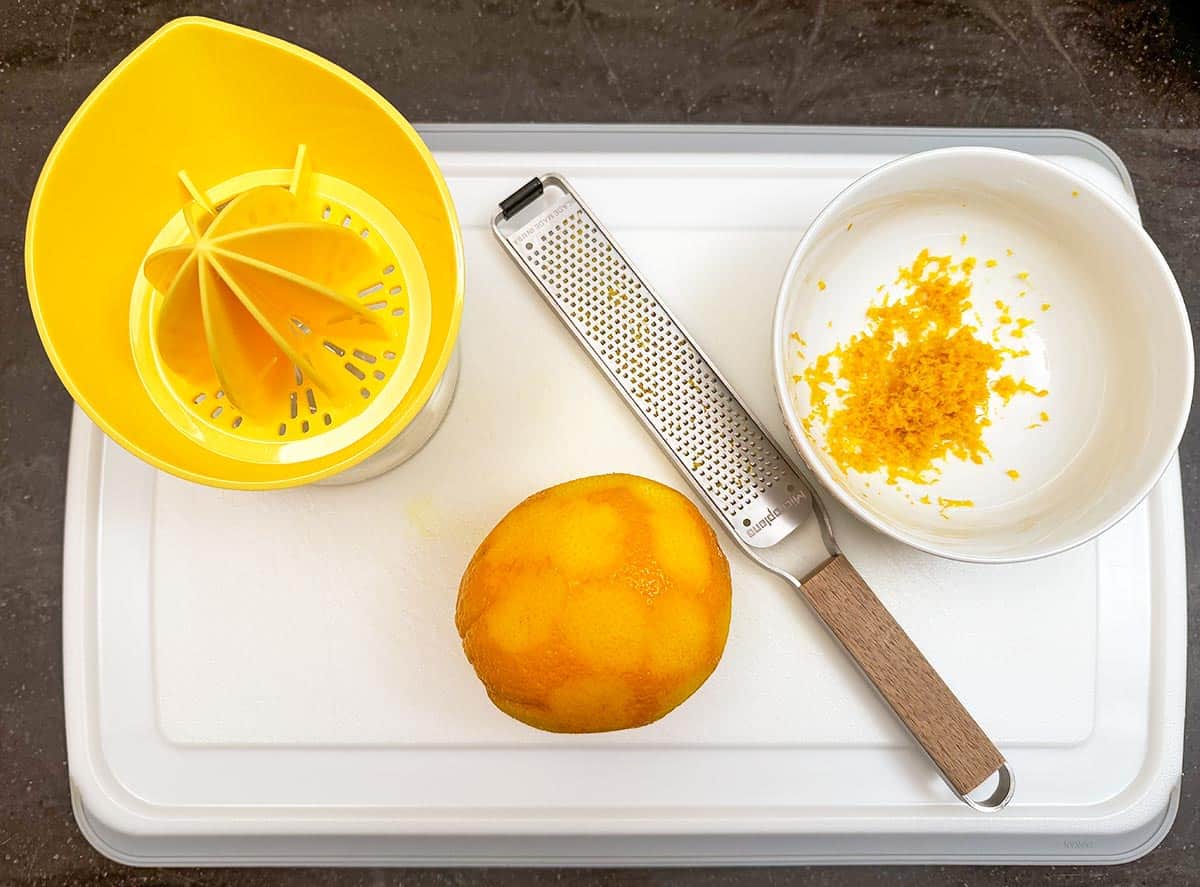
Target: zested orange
{"x":598,"y":604}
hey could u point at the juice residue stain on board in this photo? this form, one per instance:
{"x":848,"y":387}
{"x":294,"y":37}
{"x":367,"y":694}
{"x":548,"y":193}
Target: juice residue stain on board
{"x":914,"y":388}
{"x":422,"y":515}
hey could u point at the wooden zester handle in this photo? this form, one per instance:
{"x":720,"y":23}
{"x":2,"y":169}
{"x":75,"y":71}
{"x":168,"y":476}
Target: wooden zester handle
{"x":904,"y":677}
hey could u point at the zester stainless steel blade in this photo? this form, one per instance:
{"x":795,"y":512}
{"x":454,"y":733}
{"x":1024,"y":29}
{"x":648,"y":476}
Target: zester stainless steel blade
{"x":662,"y":373}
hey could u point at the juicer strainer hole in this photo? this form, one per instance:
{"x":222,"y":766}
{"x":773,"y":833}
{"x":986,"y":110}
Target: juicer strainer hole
{"x":365,"y":392}
{"x":364,"y":233}
{"x":217,"y":412}
{"x":364,"y":356}
{"x":326,"y":212}
{"x":219,"y":394}
{"x":328,"y":419}
{"x":389,"y":269}
{"x":389,"y":355}
{"x":312,"y":400}
{"x":199,"y":398}
{"x":329,"y":346}
{"x":237,"y":421}
{"x":397,"y":312}
{"x":394,"y":291}
{"x":355,"y":372}
{"x":345,"y":221}
{"x":301,"y":325}
{"x":373,"y":288}
{"x":293,"y":407}
{"x":379,"y":375}
{"x":282,"y":429}
{"x":375,"y":306}
{"x":304,"y":426}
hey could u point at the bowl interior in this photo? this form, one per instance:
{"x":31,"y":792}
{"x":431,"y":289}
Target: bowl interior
{"x":1108,"y":341}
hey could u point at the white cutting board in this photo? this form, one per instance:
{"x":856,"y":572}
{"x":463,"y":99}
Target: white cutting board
{"x":247,"y":668}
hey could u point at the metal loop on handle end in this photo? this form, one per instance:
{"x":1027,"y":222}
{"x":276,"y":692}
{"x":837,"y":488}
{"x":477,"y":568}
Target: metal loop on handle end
{"x":999,"y":798}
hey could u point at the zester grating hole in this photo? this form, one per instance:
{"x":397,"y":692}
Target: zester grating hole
{"x":654,"y":363}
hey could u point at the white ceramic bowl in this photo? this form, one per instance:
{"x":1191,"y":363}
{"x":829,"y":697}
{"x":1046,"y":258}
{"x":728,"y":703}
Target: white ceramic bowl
{"x":1114,"y":348}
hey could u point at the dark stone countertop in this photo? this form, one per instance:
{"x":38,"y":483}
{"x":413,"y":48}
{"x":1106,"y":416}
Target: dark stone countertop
{"x":1123,"y":71}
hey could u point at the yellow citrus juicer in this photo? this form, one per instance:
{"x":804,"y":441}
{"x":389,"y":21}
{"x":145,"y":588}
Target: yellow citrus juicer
{"x":244,"y":264}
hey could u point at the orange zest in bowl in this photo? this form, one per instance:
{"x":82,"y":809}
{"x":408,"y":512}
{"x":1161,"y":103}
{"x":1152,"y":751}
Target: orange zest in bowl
{"x":914,"y":387}
{"x":1008,"y":388}
{"x":944,"y":504}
